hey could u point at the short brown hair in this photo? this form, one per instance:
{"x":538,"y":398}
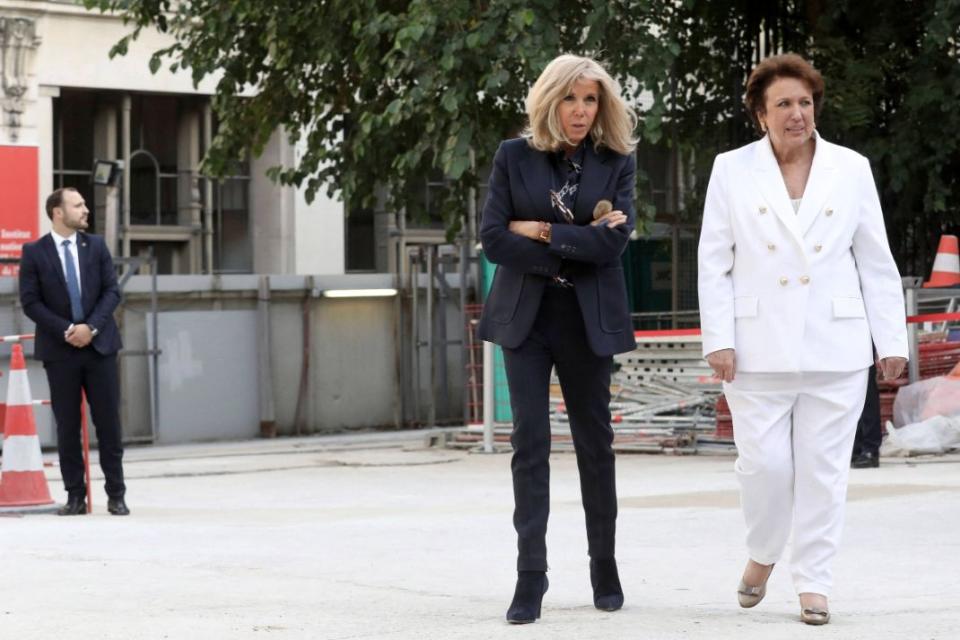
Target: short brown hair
{"x":55,"y":200}
{"x":786,"y":65}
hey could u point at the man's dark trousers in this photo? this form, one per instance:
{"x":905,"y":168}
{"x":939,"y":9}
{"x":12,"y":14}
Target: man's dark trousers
{"x":558,"y":338}
{"x":97,"y":376}
{"x":869,"y":430}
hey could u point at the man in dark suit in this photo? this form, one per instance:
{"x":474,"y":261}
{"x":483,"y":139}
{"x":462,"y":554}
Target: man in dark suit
{"x":68,"y":287}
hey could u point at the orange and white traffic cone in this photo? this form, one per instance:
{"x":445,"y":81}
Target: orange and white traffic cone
{"x":946,"y":266}
{"x":22,"y":481}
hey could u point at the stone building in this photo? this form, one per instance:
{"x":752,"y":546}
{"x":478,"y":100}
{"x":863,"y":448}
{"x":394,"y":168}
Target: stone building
{"x":65,"y":103}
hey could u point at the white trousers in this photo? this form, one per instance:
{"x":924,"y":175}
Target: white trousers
{"x":794,"y":434}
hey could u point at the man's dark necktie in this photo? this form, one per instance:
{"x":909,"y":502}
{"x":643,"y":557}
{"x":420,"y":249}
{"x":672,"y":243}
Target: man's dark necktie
{"x":73,"y":284}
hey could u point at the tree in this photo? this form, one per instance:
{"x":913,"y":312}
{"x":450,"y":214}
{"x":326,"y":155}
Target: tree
{"x":387,"y":92}
{"x":893,"y":85}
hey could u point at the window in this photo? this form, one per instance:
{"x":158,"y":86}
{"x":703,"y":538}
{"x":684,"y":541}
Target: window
{"x":233,"y":243}
{"x":169,"y":204}
{"x":154,"y":169}
{"x":361,"y":240}
{"x":74,"y":116}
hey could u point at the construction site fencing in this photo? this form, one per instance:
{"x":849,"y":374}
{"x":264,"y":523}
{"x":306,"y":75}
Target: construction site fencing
{"x":663,"y":399}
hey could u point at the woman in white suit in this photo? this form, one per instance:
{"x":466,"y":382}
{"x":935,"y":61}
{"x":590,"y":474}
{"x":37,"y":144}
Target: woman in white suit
{"x":795,"y":278}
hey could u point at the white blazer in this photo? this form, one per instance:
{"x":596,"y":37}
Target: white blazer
{"x":798,"y":291}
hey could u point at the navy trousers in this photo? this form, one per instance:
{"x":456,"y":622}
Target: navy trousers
{"x":869,"y":428}
{"x":558,"y":339}
{"x":97,"y":376}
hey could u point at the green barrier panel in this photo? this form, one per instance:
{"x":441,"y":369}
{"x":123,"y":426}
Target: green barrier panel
{"x":501,"y":393}
{"x":647,"y":265}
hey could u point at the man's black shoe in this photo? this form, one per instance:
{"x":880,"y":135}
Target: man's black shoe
{"x":117,"y":507}
{"x":865,"y":460}
{"x":76,"y":506}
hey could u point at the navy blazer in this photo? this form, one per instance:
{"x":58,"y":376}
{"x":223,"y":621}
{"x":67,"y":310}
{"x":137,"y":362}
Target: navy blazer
{"x":43,"y":294}
{"x":519,"y":189}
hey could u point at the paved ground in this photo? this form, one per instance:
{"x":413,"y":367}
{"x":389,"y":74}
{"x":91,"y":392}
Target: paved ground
{"x":357,"y":537}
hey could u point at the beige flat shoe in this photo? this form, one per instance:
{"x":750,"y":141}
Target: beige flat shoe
{"x":814,"y":616}
{"x":749,"y":596}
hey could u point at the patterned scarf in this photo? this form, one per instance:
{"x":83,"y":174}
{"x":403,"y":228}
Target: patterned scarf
{"x":563,"y":201}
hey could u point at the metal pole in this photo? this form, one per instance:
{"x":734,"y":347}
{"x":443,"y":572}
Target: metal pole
{"x":85,"y":434}
{"x":467,"y":253}
{"x":674,"y":273}
{"x":488,"y":408}
{"x":473,"y":265}
{"x":127,"y":107}
{"x":404,"y":275}
{"x":155,"y":348}
{"x":398,"y":406}
{"x":464,"y":326}
{"x":431,"y":396}
{"x":112,"y":219}
{"x":675,"y":234}
{"x":304,"y":389}
{"x":442,"y":349}
{"x":913,"y":365}
{"x":403,"y":280}
{"x":207,"y":192}
{"x":414,"y":268}
{"x":268,"y":421}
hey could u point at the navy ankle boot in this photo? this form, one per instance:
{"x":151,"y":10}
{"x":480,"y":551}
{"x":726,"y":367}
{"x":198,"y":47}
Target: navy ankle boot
{"x":607,"y":592}
{"x":525,"y":608}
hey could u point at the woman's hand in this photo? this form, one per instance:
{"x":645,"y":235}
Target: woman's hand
{"x":610,"y":219}
{"x":531,"y":228}
{"x":891,"y":368}
{"x":526,"y":228}
{"x":723,"y":363}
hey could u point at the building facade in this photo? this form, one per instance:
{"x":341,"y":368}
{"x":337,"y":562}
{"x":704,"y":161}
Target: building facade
{"x":65,"y":104}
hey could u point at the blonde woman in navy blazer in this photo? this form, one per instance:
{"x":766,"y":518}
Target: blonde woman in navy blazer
{"x":797,"y":286}
{"x":559,"y":300}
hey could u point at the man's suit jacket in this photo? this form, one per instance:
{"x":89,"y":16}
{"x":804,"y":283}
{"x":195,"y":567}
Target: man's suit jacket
{"x":43,"y":294}
{"x":519,"y":189}
{"x":798,"y":291}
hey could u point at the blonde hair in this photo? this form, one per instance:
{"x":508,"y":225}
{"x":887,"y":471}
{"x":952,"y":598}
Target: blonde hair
{"x":615,"y":122}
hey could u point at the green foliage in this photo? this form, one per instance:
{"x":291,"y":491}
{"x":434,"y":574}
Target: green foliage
{"x":387,"y":92}
{"x":893,"y":85}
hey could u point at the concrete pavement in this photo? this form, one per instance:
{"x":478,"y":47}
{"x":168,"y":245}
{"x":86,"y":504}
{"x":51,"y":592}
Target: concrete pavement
{"x":379,"y":537}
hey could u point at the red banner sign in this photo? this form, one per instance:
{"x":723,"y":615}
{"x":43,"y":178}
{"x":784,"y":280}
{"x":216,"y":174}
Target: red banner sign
{"x":19,"y":195}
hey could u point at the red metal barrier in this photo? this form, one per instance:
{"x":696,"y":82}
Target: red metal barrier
{"x":85,"y":435}
{"x":933,"y":317}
